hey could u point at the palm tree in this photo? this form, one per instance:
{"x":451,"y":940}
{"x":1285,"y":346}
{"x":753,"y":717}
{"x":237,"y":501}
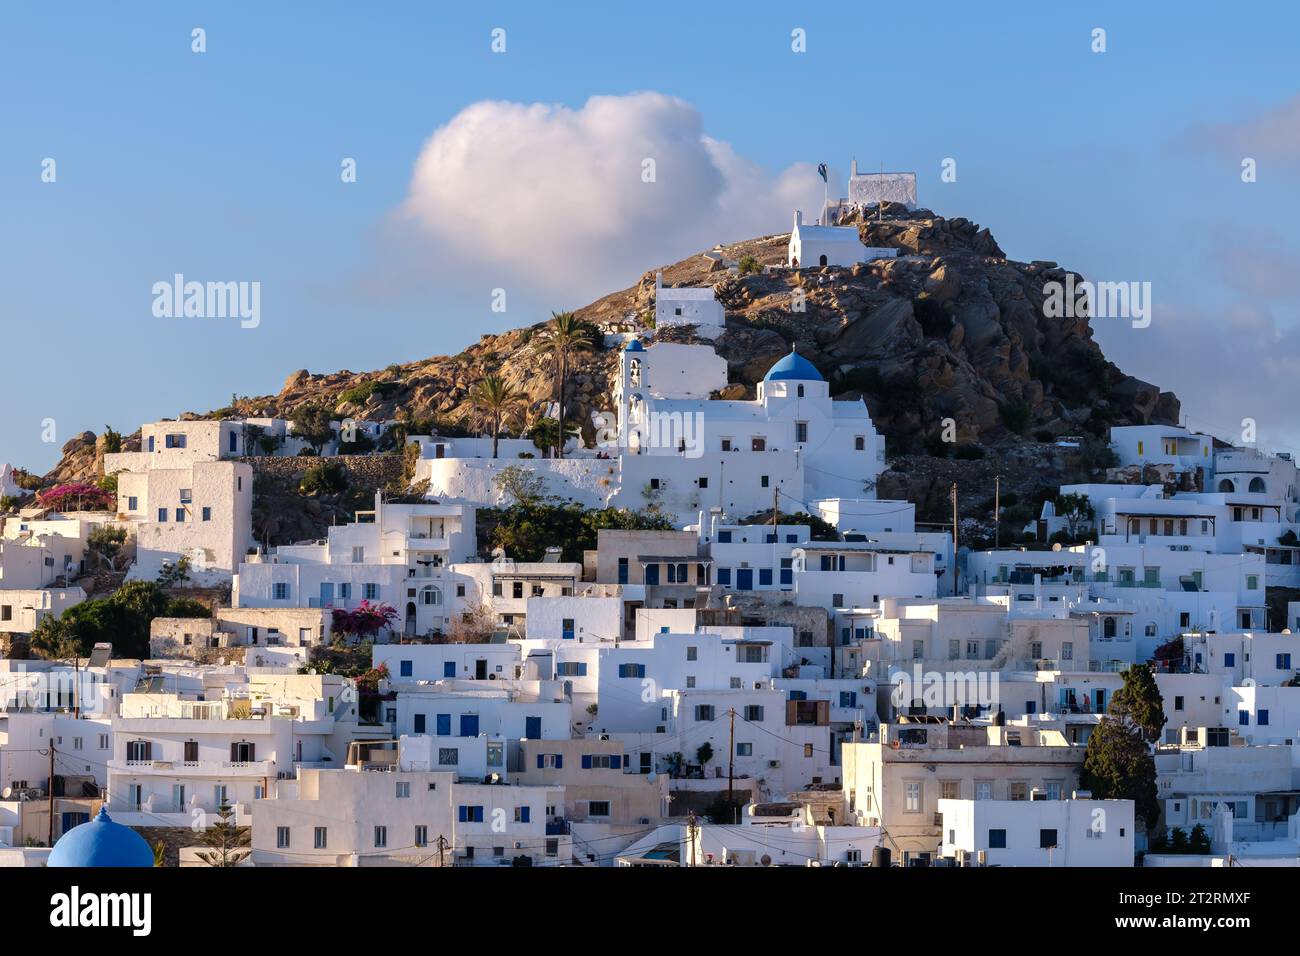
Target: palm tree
{"x":495,"y":400}
{"x":563,"y":336}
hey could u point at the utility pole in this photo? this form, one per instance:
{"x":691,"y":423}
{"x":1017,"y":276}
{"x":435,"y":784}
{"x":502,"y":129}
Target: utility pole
{"x":776,"y":491}
{"x":50,"y":837}
{"x":731,"y":764}
{"x":955,"y":589}
{"x":690,"y":832}
{"x":442,"y":847}
{"x":997,"y":510}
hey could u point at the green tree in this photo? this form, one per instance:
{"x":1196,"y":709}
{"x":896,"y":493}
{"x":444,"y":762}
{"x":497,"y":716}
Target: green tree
{"x":1139,"y":702}
{"x":559,"y":340}
{"x":1118,"y":766}
{"x":1199,"y":841}
{"x":228,"y":844}
{"x":112,"y":441}
{"x":121,"y":619}
{"x":494,"y":401}
{"x":545,"y":433}
{"x":312,"y":424}
{"x":521,"y":485}
{"x":105,"y":542}
{"x":1076,"y":509}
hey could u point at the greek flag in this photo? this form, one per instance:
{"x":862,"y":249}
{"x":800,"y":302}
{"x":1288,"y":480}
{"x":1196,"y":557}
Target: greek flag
{"x":821,"y":171}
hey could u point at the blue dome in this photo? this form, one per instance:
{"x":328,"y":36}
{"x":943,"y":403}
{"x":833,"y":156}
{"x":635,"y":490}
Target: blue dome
{"x":635,"y":346}
{"x":101,"y":842}
{"x":793,"y":367}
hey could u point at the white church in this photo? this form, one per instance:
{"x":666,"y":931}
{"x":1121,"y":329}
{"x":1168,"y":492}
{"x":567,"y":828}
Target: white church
{"x":670,"y":446}
{"x":815,"y":246}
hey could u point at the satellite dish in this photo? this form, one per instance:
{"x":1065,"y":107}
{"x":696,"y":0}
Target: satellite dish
{"x":7,"y":792}
{"x":766,"y":860}
{"x":651,"y":777}
{"x":1057,"y":546}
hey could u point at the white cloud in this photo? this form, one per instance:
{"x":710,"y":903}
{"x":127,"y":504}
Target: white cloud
{"x":554,"y":196}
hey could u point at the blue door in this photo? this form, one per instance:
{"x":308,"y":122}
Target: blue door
{"x":326,"y":593}
{"x":469,"y":725}
{"x":532,"y":728}
{"x":744,"y":579}
{"x":652,"y":574}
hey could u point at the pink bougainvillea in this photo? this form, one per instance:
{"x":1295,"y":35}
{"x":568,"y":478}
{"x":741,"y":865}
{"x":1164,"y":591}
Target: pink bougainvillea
{"x":365,"y":620}
{"x":77,"y":496}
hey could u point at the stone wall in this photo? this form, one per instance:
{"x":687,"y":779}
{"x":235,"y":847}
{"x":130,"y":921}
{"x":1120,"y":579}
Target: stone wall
{"x":375,"y":470}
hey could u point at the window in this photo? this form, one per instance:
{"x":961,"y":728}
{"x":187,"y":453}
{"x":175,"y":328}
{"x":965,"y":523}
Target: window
{"x":421,"y":836}
{"x":403,"y":789}
{"x":191,"y":751}
{"x":162,"y":515}
{"x":1178,"y":703}
{"x":180,"y":515}
{"x":598,"y":808}
{"x":370,"y":592}
{"x":571,"y":669}
{"x":807,"y":750}
{"x":702,"y":481}
{"x":322,"y":838}
{"x":1252,"y":582}
{"x":381,"y":837}
{"x":517,"y":589}
{"x":174,"y":441}
{"x":744,"y":750}
{"x":1230,"y":660}
{"x":997,"y":839}
{"x":469,"y":814}
{"x":800,"y":431}
{"x":859,"y":443}
{"x":758,"y":443}
{"x":139,"y":750}
{"x":358,"y":554}
{"x":754,"y":713}
{"x":912,"y":796}
{"x":1243,"y":718}
{"x":763,"y":481}
{"x":703,"y":711}
{"x":405,"y":668}
{"x":523,"y":814}
{"x":567,"y":628}
{"x":1261,"y":717}
{"x":1046,"y":839}
{"x":443,"y":725}
{"x":418,"y":722}
{"x":1284,"y":662}
{"x":983,"y":789}
{"x":282,"y":838}
{"x":631,"y":670}
{"x":726,"y":444}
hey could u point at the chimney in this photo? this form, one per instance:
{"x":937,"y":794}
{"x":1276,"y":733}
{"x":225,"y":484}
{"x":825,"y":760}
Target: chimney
{"x":798,"y":218}
{"x":659,"y":281}
{"x":853,"y":169}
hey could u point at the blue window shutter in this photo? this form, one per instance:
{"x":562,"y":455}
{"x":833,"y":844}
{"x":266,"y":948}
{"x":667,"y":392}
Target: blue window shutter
{"x":559,"y":761}
{"x":448,"y":668}
{"x":541,"y":761}
{"x":616,"y":762}
{"x":586,"y":761}
{"x":524,"y":814}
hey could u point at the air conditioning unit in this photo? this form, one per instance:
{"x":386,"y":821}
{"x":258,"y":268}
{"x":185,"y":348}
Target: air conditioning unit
{"x":982,"y":857}
{"x":644,"y":821}
{"x":774,"y":763}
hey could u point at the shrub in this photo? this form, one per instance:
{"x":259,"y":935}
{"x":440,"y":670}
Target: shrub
{"x":1016,"y":415}
{"x":748,"y":265}
{"x":323,"y":477}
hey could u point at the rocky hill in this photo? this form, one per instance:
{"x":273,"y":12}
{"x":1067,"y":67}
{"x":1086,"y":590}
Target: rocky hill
{"x":949,"y":329}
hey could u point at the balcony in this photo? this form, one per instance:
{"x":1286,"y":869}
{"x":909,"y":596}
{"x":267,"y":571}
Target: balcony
{"x":193,"y":768}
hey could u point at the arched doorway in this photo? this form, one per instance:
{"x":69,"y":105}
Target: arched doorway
{"x":409,"y":630}
{"x":822,"y":261}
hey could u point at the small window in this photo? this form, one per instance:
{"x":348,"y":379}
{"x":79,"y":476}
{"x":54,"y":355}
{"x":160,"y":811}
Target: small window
{"x":997,"y":839}
{"x":322,"y":838}
{"x":282,"y":838}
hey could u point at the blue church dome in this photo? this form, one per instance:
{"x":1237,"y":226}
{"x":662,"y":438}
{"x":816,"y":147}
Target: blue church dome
{"x":635,"y":346}
{"x":793,"y":367}
{"x":101,"y":842}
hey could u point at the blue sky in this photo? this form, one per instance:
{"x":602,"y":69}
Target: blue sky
{"x":1124,"y":165}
